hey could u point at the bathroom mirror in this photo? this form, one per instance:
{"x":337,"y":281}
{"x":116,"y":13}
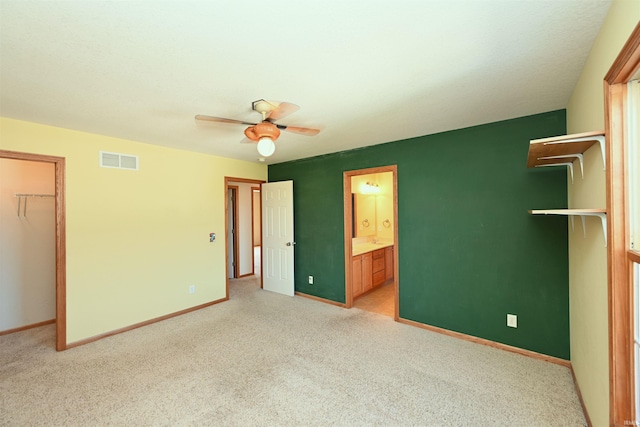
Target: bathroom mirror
{"x":364,"y":215}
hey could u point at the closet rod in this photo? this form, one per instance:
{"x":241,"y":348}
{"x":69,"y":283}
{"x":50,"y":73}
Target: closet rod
{"x":25,"y":196}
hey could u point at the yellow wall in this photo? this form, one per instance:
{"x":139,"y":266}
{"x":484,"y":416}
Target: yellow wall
{"x":136,"y":240}
{"x":587,"y":255}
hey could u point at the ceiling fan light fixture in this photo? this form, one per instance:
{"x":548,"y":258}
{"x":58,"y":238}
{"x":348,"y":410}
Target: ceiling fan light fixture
{"x":266,"y":133}
{"x":266,"y":146}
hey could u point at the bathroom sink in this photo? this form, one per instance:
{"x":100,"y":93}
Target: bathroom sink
{"x":368,"y":247}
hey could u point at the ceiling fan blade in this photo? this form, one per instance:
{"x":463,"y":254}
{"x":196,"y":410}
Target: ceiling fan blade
{"x":222,"y":120}
{"x":282,"y":110}
{"x":301,"y":131}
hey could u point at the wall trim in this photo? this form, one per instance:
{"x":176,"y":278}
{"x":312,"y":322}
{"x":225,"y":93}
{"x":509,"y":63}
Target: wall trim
{"x":145,"y":323}
{"x":619,"y":273}
{"x":25,"y":327}
{"x":489,"y":343}
{"x":315,"y":298}
{"x":584,"y":407}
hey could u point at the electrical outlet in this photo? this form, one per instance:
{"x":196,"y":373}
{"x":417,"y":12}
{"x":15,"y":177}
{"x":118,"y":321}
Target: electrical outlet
{"x":192,"y":289}
{"x":311,"y":280}
{"x":512,"y":320}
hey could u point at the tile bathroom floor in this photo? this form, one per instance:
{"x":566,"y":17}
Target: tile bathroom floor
{"x":381,"y":300}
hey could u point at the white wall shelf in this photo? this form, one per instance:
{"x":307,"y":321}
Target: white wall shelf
{"x":564,"y":150}
{"x":571,"y":213}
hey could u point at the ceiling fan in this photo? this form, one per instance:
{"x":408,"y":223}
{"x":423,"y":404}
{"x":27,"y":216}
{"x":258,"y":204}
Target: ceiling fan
{"x":266,"y":132}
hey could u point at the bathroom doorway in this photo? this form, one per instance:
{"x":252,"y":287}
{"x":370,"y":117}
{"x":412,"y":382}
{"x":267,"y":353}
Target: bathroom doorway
{"x":371,"y":240}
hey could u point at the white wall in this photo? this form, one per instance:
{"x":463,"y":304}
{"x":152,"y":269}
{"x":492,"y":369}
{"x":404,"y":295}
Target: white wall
{"x":257,"y":226}
{"x":27,"y":245}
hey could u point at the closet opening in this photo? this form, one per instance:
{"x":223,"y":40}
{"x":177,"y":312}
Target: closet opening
{"x":31,"y":201}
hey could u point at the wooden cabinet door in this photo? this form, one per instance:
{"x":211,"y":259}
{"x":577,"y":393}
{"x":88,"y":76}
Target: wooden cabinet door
{"x":388,"y":262}
{"x":367,"y":271}
{"x":378,"y":265}
{"x":356,"y":275}
{"x":378,"y":278}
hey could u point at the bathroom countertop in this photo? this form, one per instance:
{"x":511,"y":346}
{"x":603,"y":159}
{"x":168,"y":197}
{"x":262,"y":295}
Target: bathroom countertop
{"x":362,"y":248}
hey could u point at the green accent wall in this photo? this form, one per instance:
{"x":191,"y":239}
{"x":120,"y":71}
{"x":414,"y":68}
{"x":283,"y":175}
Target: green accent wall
{"x":469,"y":252}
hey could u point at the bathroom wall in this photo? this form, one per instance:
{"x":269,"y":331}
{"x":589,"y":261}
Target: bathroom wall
{"x":384,"y":206}
{"x":27,"y":244}
{"x":375,"y":208}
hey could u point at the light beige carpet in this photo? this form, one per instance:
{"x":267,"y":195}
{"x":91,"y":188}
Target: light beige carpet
{"x":262,"y":359}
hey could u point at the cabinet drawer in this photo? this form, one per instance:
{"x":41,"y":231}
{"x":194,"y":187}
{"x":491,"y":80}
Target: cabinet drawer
{"x":378,"y":253}
{"x":378,"y":278}
{"x":378,"y":264}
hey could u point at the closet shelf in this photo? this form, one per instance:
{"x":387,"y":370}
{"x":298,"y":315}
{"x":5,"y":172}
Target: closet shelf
{"x":571,"y":213}
{"x":564,"y":150}
{"x":25,"y":196}
{"x":34,"y":195}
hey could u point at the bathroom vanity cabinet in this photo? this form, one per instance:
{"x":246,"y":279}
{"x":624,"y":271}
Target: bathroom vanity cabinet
{"x":371,"y":269}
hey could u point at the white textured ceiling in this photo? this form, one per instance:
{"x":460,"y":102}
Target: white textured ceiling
{"x":365,"y":72}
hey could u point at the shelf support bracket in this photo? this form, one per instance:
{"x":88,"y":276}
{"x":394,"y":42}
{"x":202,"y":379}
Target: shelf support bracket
{"x":599,"y":138}
{"x":569,"y":164}
{"x":577,"y":212}
{"x":603,"y":221}
{"x":578,"y":156}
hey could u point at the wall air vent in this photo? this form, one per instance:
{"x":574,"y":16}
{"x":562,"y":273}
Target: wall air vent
{"x":118,"y":161}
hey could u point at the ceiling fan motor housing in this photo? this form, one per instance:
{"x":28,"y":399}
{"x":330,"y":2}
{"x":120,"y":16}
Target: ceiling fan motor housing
{"x":262,"y":130}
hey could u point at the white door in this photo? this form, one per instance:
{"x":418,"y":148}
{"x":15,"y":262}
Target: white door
{"x":277,"y":237}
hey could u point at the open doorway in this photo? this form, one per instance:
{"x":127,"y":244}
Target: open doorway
{"x":240,"y":228}
{"x":60,"y":237}
{"x":256,"y":209}
{"x":371,"y":238}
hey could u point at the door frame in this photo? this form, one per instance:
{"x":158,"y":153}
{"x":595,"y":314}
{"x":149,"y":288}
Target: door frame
{"x":61,"y":250}
{"x":348,"y":232}
{"x":236,"y":265}
{"x":227,"y":181}
{"x":620,"y":257}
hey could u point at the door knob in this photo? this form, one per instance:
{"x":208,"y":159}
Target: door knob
{"x":291,"y":243}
